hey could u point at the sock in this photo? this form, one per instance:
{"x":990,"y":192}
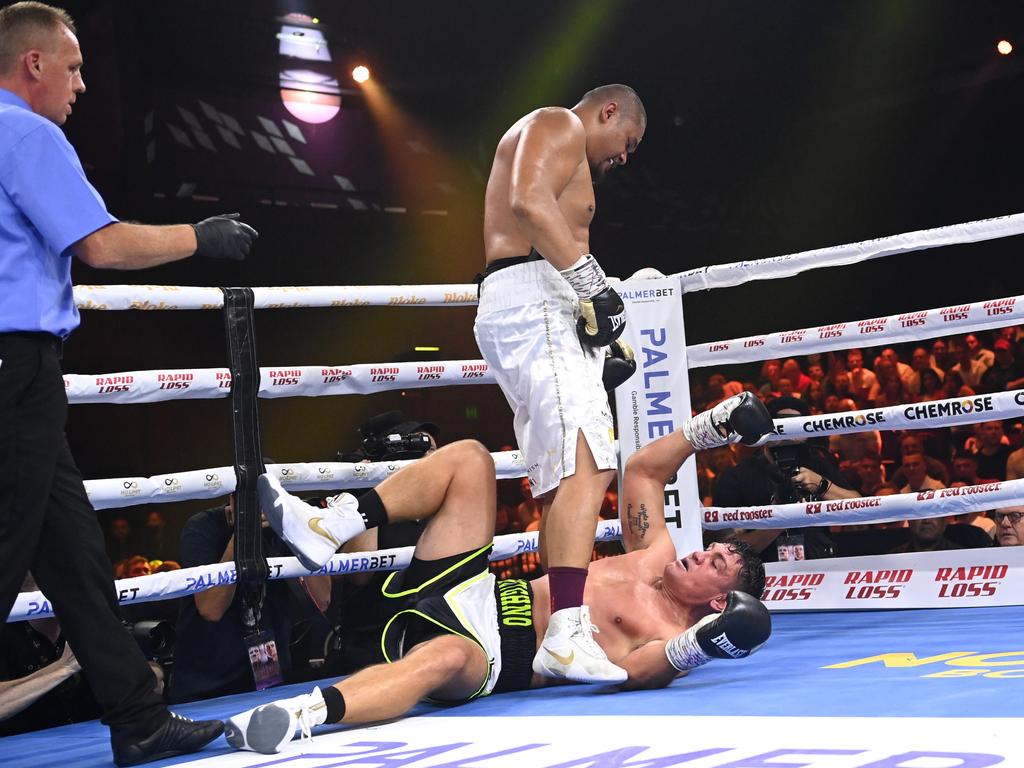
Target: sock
{"x":372,"y":509}
{"x":566,"y":587}
{"x":335,"y":704}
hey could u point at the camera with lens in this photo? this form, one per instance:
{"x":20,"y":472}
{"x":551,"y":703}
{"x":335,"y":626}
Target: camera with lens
{"x":389,"y":436}
{"x":155,"y":638}
{"x":395,"y":445}
{"x":788,"y":459}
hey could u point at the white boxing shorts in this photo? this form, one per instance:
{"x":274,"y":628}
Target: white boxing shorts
{"x":526,"y":330}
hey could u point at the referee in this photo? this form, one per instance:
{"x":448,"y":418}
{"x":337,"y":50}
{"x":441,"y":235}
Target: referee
{"x":49,"y":212}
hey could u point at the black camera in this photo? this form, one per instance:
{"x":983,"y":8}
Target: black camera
{"x":155,"y":638}
{"x":789,"y":458}
{"x":388,"y":437}
{"x":396,"y":446}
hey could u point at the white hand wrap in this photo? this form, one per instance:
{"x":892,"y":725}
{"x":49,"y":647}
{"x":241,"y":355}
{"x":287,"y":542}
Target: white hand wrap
{"x":702,"y":432}
{"x":683,"y":652}
{"x":586,"y":277}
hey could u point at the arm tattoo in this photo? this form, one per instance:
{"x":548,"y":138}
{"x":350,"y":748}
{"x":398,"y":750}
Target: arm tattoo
{"x":638,"y":523}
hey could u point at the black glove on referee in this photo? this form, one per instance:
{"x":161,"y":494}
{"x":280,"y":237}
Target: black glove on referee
{"x":224,"y":237}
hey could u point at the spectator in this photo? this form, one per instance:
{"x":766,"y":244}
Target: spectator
{"x":791,"y":370}
{"x":903,"y":370}
{"x":978,"y":352}
{"x":529,"y":509}
{"x":1012,"y":333}
{"x":840,"y":385}
{"x":815,"y":397}
{"x":862,"y":381}
{"x":136,"y":565}
{"x":771,"y":370}
{"x":920,"y":361}
{"x":41,"y":685}
{"x":940,"y":357}
{"x":719,"y":460}
{"x":931,"y":386}
{"x":815,"y":372}
{"x":970,"y":369}
{"x":1015,"y":465}
{"x":1009,"y":526}
{"x":978,"y":520}
{"x":915,"y":470}
{"x":953,"y":386}
{"x":993,"y":450}
{"x":120,"y":542}
{"x":786,"y":388}
{"x":912,"y":443}
{"x":850,"y":448}
{"x":889,"y":388}
{"x":871,"y":474}
{"x":720,"y":388}
{"x":154,"y":536}
{"x":965,"y":469}
{"x":1006,"y":373}
{"x":927,"y":535}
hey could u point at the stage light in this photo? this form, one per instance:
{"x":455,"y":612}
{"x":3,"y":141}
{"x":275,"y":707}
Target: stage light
{"x":426,"y":349}
{"x":1005,"y":47}
{"x":309,"y":106}
{"x":360,"y":74}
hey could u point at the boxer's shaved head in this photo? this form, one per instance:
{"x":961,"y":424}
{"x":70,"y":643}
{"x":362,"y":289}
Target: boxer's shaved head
{"x":627,"y":99}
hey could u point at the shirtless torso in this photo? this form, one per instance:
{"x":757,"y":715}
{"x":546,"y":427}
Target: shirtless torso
{"x":554,"y":149}
{"x":627,"y":603}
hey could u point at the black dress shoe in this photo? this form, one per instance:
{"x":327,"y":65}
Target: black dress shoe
{"x":177,"y":736}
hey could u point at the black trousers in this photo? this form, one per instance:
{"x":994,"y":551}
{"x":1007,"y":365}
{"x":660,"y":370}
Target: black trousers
{"x":48,"y":526}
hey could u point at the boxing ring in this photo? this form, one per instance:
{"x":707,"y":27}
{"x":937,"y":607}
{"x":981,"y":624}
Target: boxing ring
{"x":893,"y":661}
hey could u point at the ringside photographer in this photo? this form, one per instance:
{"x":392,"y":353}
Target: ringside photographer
{"x":784,"y":472}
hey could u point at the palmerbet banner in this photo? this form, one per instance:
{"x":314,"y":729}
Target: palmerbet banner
{"x":656,"y":399}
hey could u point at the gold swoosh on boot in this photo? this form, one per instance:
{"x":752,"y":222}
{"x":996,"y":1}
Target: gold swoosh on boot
{"x":566,"y":660}
{"x":319,"y":530}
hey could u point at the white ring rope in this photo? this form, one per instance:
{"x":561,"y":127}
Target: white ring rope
{"x":189,"y":581}
{"x":155,"y":297}
{"x":869,"y":509}
{"x":277,"y":381}
{"x":873,"y":332}
{"x":211,"y":483}
{"x":931,"y":414}
{"x":737,"y":273}
{"x":317,"y":380}
{"x":217,"y":481}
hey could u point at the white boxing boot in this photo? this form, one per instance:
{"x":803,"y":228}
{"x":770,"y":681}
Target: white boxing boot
{"x":569,"y":650}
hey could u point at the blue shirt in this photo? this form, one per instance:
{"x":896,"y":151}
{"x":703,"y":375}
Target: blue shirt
{"x":46,"y":205}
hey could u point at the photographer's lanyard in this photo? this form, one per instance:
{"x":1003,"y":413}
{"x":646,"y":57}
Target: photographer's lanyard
{"x":250,"y":563}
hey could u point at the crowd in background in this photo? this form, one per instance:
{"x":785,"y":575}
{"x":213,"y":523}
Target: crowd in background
{"x":884,"y":462}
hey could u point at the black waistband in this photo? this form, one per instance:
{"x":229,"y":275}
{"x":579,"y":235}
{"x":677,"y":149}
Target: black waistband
{"x":514,"y":599}
{"x":56,"y":343}
{"x":499,"y":264}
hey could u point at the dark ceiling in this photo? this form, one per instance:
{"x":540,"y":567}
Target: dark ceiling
{"x":764,"y":116}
